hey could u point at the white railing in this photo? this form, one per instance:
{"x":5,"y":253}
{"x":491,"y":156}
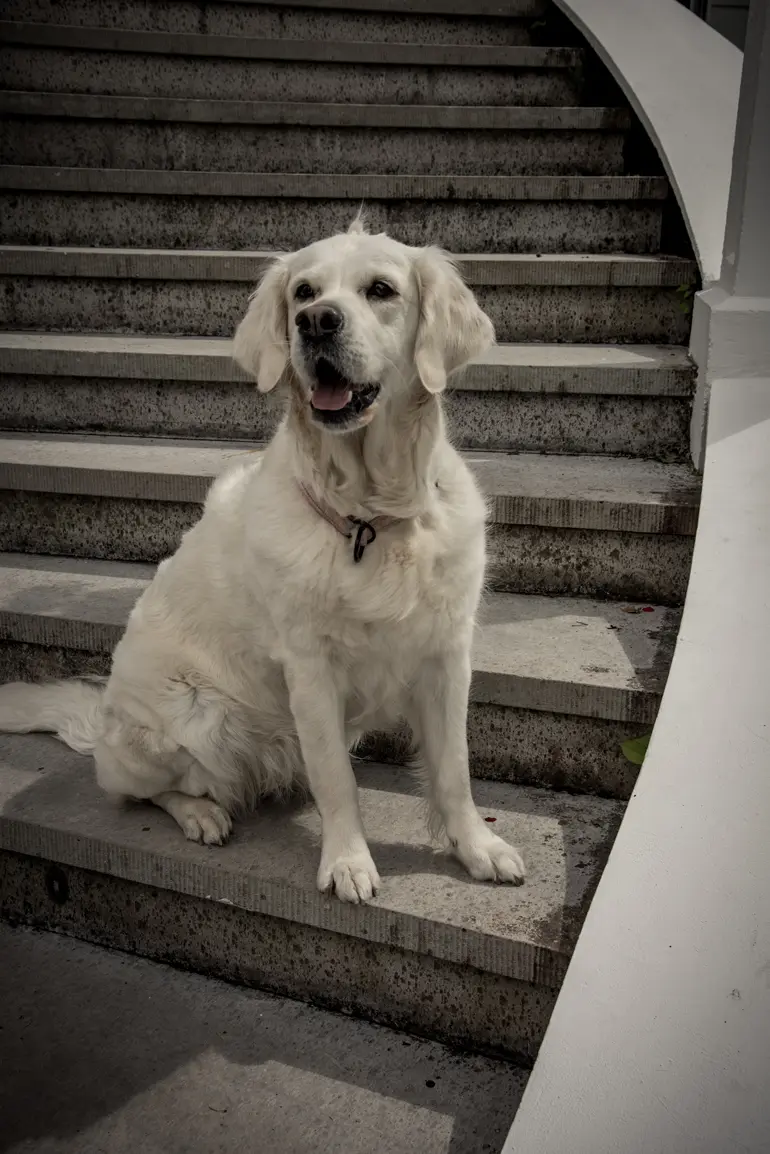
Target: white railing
{"x":660,"y":1039}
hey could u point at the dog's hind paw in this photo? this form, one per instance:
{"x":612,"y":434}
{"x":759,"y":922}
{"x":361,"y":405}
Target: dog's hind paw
{"x":203,"y":820}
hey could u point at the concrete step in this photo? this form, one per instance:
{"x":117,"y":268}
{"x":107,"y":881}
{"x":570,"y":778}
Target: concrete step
{"x":121,"y":62}
{"x":632,"y":399}
{"x":235,"y":1062}
{"x":403,"y":21}
{"x":558,"y":683}
{"x":65,"y":130}
{"x":221,"y":210}
{"x":594,"y":526}
{"x":478,"y":965}
{"x":544,"y":298}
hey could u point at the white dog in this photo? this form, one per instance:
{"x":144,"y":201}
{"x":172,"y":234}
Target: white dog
{"x":331,"y":585}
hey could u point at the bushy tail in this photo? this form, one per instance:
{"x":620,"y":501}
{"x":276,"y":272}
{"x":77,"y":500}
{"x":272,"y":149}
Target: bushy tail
{"x":70,"y":709}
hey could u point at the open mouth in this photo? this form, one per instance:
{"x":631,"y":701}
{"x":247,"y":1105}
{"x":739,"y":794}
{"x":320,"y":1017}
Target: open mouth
{"x":334,"y":398}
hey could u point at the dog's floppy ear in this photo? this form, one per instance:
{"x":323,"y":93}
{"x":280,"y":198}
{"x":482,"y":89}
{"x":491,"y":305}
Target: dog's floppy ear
{"x":261,"y":344}
{"x":452,"y":328}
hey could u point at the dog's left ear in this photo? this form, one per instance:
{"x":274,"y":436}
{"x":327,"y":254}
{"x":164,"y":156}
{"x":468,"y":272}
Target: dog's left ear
{"x":452,"y":328}
{"x":261,"y":344}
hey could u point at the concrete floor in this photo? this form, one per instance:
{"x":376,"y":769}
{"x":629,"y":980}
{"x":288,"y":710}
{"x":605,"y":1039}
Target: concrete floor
{"x":103,"y":1053}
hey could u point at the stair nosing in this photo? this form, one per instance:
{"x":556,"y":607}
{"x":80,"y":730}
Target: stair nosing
{"x":578,"y":690}
{"x":638,"y":270}
{"x":669,"y":506}
{"x":141,"y":41}
{"x":486,"y":928}
{"x":288,"y":113}
{"x":592,"y":370}
{"x":330,"y":186}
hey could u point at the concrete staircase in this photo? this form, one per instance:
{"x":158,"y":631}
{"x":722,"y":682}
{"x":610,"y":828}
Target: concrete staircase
{"x":152,"y":155}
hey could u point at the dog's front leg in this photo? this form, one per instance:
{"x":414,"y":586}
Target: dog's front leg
{"x":440,"y":715}
{"x":346,"y":864}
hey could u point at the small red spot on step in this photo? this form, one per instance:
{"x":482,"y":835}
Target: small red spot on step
{"x":648,"y":609}
{"x":490,"y":819}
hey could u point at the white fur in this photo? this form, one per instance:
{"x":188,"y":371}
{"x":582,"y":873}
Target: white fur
{"x":260,"y":653}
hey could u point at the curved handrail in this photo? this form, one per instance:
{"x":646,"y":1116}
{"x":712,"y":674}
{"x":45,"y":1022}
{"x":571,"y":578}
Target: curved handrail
{"x":682,"y":79}
{"x":659,"y":1038}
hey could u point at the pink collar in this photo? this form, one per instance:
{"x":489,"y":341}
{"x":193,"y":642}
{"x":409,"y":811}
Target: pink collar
{"x":361,"y":532}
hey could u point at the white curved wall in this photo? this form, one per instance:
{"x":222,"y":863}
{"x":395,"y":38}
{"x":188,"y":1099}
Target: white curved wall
{"x":682,"y":79}
{"x":660,"y":1039}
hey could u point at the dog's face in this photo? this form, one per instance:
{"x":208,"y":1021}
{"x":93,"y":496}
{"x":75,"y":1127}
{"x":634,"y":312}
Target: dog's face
{"x":359,"y":319}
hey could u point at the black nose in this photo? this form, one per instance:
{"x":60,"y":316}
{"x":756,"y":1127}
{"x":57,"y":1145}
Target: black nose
{"x":318,"y":321}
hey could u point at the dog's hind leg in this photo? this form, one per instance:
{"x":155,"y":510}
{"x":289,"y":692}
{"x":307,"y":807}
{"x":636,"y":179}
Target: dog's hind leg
{"x":199,"y":818}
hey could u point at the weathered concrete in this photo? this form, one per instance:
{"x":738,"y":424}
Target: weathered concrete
{"x":580,"y":562}
{"x":522,"y":558}
{"x":402,"y":23}
{"x":616,"y":370}
{"x":117,"y":109}
{"x":205,"y":147}
{"x":554,"y":654}
{"x":238,"y":221}
{"x":449,"y":1001}
{"x":222,"y":48}
{"x":468,"y":77}
{"x":603,"y":493}
{"x":52,"y":810}
{"x":644,"y":426}
{"x":492,"y":269}
{"x":198,"y":77}
{"x":156,"y":307}
{"x":235,"y":1063}
{"x":523,"y":746}
{"x":325,"y":186}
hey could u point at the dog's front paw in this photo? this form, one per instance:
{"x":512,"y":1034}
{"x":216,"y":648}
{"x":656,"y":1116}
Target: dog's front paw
{"x":490,"y":859}
{"x":352,"y":877}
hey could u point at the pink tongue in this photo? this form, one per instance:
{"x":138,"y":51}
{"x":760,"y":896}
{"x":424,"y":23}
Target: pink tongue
{"x":329,"y":398}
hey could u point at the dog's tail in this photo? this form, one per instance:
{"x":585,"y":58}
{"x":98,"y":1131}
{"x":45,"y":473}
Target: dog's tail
{"x":70,"y":709}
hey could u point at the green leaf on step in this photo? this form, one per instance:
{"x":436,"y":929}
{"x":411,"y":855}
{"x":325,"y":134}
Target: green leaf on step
{"x":635,"y":748}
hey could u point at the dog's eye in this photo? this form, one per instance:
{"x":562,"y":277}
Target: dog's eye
{"x":304,"y":291}
{"x":380,"y":290}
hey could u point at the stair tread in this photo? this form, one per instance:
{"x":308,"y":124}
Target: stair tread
{"x":642,"y":370}
{"x":231,"y":1060}
{"x":341,"y":186}
{"x":51,"y":808}
{"x":560,"y":654}
{"x":587,"y":492}
{"x":261,"y":48}
{"x":642,"y":270}
{"x":162,"y":109}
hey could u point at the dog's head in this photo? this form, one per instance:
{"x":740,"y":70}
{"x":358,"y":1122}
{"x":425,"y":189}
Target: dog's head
{"x":359,"y":319}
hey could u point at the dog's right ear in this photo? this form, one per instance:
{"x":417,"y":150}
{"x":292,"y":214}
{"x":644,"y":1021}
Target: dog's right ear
{"x":261,"y":344}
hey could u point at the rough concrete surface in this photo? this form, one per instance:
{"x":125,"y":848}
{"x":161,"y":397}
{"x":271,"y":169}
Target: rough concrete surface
{"x":232,"y":222}
{"x":105,"y":1052}
{"x":645,"y":426}
{"x":49,"y":70}
{"x":565,"y":655}
{"x":584,"y":492}
{"x":521,"y":558}
{"x":51,"y":808}
{"x":441,"y":1000}
{"x":568,"y":313}
{"x":468,"y":26}
{"x":595,"y":370}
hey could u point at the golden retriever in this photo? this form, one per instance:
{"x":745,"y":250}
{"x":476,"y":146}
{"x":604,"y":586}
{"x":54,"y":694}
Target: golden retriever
{"x":331,"y":585}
